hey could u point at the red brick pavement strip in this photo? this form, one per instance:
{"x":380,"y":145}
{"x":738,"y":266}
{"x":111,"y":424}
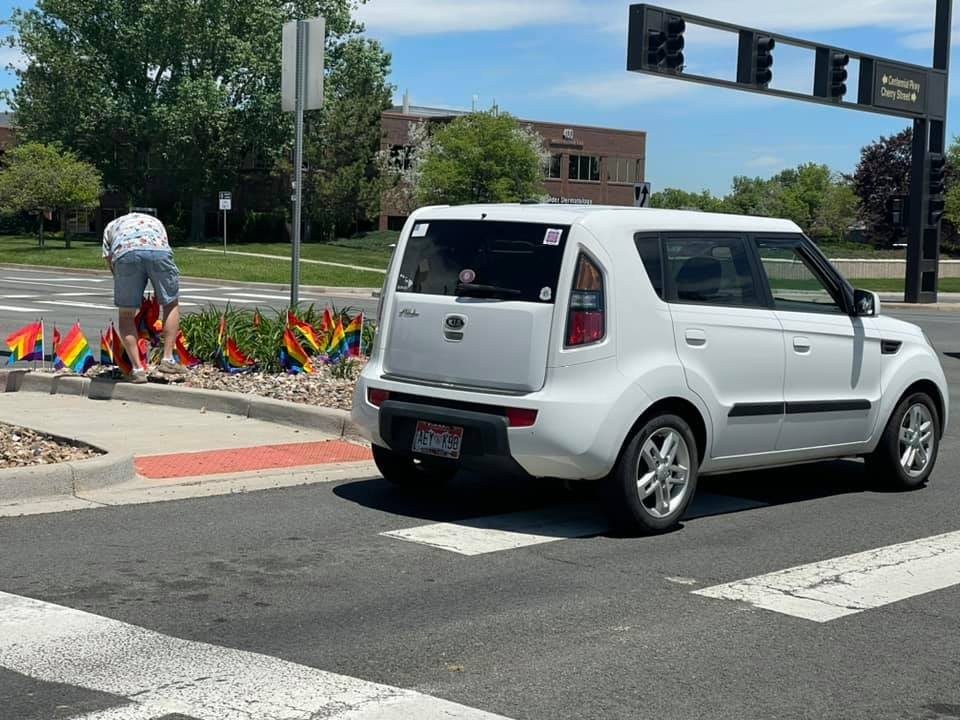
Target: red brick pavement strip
{"x":265,"y":457}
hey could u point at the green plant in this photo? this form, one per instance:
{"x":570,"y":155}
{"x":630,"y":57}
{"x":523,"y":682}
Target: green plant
{"x":345,"y":370}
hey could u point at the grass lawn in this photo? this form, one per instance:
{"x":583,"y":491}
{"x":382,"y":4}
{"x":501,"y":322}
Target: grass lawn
{"x":313,"y":251}
{"x":23,"y":250}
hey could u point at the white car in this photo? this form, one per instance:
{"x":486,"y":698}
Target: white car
{"x":641,"y":348}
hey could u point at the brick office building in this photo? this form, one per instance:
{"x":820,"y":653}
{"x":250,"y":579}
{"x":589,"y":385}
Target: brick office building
{"x":589,"y":165}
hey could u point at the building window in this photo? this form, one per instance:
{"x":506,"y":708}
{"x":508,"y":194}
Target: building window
{"x":623,"y":170}
{"x":552,"y":171}
{"x":585,"y":168}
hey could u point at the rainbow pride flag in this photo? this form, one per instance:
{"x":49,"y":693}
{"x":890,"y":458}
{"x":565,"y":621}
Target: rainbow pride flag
{"x":120,"y":357}
{"x":327,"y":325}
{"x":26,"y":343}
{"x":182,"y":355}
{"x":293,"y":357}
{"x":57,"y":362}
{"x":233,"y":360}
{"x":147,"y":319}
{"x":74,"y":352}
{"x":309,"y":334}
{"x":354,"y":336}
{"x":337,"y":347}
{"x":106,"y":348}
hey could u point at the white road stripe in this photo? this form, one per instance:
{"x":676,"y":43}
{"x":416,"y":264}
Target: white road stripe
{"x":60,"y":279}
{"x":842,"y":586}
{"x":260,"y":296}
{"x":76,"y":303}
{"x":45,"y":284}
{"x":478,"y":536}
{"x":19,"y":297}
{"x":17,"y":308}
{"x":221,"y":299}
{"x":163,"y":675}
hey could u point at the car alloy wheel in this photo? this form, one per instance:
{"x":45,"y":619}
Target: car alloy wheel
{"x":663,"y":472}
{"x":917,"y":438}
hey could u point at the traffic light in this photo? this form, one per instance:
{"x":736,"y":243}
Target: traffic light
{"x":675,"y":43}
{"x":764,"y":60}
{"x":936,"y":165}
{"x":656,"y":48}
{"x":838,"y":74}
{"x":898,"y":210}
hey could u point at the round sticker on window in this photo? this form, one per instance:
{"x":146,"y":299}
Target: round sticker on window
{"x":467,"y":276}
{"x":546,"y":294}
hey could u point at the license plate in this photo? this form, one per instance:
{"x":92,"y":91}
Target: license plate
{"x":438,"y":440}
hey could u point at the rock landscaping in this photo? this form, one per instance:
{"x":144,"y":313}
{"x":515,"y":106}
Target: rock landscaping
{"x":20,"y":447}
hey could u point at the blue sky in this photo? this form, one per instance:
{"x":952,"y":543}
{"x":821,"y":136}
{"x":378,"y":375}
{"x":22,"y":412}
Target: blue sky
{"x":564,"y":61}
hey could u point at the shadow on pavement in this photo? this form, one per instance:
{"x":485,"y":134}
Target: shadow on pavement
{"x":472,"y":495}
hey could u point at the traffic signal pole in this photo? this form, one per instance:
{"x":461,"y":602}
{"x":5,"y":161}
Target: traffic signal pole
{"x":929,"y":139}
{"x":887,"y":87}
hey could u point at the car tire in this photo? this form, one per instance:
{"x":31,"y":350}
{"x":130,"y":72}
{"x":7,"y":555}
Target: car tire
{"x":655,"y":478}
{"x":909,"y":445}
{"x":406,"y":471}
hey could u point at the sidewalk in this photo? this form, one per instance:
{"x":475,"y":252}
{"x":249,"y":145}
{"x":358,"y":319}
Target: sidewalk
{"x":178,"y":452}
{"x":287,"y":259}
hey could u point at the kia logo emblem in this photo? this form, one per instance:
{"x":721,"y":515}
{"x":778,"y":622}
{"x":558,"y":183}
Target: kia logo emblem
{"x":455,"y":322}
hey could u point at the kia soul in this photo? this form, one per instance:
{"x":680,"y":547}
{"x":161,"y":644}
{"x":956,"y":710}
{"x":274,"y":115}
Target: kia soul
{"x":638,"y":348}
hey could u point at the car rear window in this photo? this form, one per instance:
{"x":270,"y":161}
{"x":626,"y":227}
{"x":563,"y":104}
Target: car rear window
{"x":481,"y":258}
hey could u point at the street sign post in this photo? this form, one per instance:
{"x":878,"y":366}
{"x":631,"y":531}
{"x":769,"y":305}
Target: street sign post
{"x":226,"y":203}
{"x":887,"y":87}
{"x":303,"y":50}
{"x":641,"y":195}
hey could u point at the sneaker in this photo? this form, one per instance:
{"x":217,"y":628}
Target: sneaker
{"x":137,"y":377}
{"x":169,"y":367}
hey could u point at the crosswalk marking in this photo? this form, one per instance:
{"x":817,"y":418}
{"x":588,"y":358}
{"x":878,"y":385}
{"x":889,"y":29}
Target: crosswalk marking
{"x":483,"y":535}
{"x":479,"y":536}
{"x":19,"y":309}
{"x":843,"y":586}
{"x":259,"y":296}
{"x":76,"y":303}
{"x":217,"y":299}
{"x":162,"y":675}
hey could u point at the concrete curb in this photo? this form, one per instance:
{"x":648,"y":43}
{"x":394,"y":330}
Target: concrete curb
{"x":67,"y":478}
{"x":935,"y":307}
{"x":328,"y":420}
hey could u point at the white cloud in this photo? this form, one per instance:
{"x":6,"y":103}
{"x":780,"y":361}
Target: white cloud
{"x":425,"y":17}
{"x":621,"y":89}
{"x":422,"y":17}
{"x":766,"y":162}
{"x":12,"y":56}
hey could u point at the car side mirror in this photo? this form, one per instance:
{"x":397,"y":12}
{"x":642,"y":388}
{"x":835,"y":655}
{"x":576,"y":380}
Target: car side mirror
{"x":866,"y":303}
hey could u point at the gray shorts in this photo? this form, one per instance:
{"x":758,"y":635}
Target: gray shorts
{"x":132,"y":270}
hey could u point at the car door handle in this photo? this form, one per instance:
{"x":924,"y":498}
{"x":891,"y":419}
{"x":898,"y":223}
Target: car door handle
{"x":801,"y":344}
{"x":696,"y":338}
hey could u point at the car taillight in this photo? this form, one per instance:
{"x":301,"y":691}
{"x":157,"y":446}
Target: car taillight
{"x":519,"y":417}
{"x":377,"y":397}
{"x":586,"y":318}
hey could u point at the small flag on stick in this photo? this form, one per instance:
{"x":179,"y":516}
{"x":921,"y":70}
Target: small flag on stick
{"x":293,"y":357}
{"x":74,"y":352}
{"x":26,"y":343}
{"x":309,"y":334}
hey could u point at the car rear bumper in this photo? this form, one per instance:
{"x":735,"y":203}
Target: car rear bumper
{"x":575,"y":435}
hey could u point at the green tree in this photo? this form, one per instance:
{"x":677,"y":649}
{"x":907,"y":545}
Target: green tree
{"x":883,"y":171}
{"x":162,"y":94}
{"x":753,"y":196}
{"x":838,"y":212}
{"x":674,"y":199}
{"x":477,"y":158}
{"x":41,"y":178}
{"x":343,"y":146}
{"x":801,"y":192}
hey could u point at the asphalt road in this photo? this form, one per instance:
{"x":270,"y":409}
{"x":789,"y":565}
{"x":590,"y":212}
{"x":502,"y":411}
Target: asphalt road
{"x":63,"y":297}
{"x":580,"y":627}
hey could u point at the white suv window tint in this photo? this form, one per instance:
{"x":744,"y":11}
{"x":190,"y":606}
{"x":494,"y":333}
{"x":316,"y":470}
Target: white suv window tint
{"x":711,"y":271}
{"x":484,"y":259}
{"x":793,"y":283}
{"x":649,"y":248}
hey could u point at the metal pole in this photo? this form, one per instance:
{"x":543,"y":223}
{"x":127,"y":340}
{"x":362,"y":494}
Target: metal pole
{"x":929,"y":136}
{"x":224,"y":232}
{"x":298,"y":161}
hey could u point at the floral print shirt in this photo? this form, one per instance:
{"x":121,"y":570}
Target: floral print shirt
{"x":135,"y":231}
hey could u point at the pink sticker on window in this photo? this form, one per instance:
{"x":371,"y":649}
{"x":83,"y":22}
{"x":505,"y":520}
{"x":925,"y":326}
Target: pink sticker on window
{"x":553,"y":237}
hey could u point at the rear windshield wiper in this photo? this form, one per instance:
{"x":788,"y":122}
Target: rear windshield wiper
{"x":485,"y":291}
